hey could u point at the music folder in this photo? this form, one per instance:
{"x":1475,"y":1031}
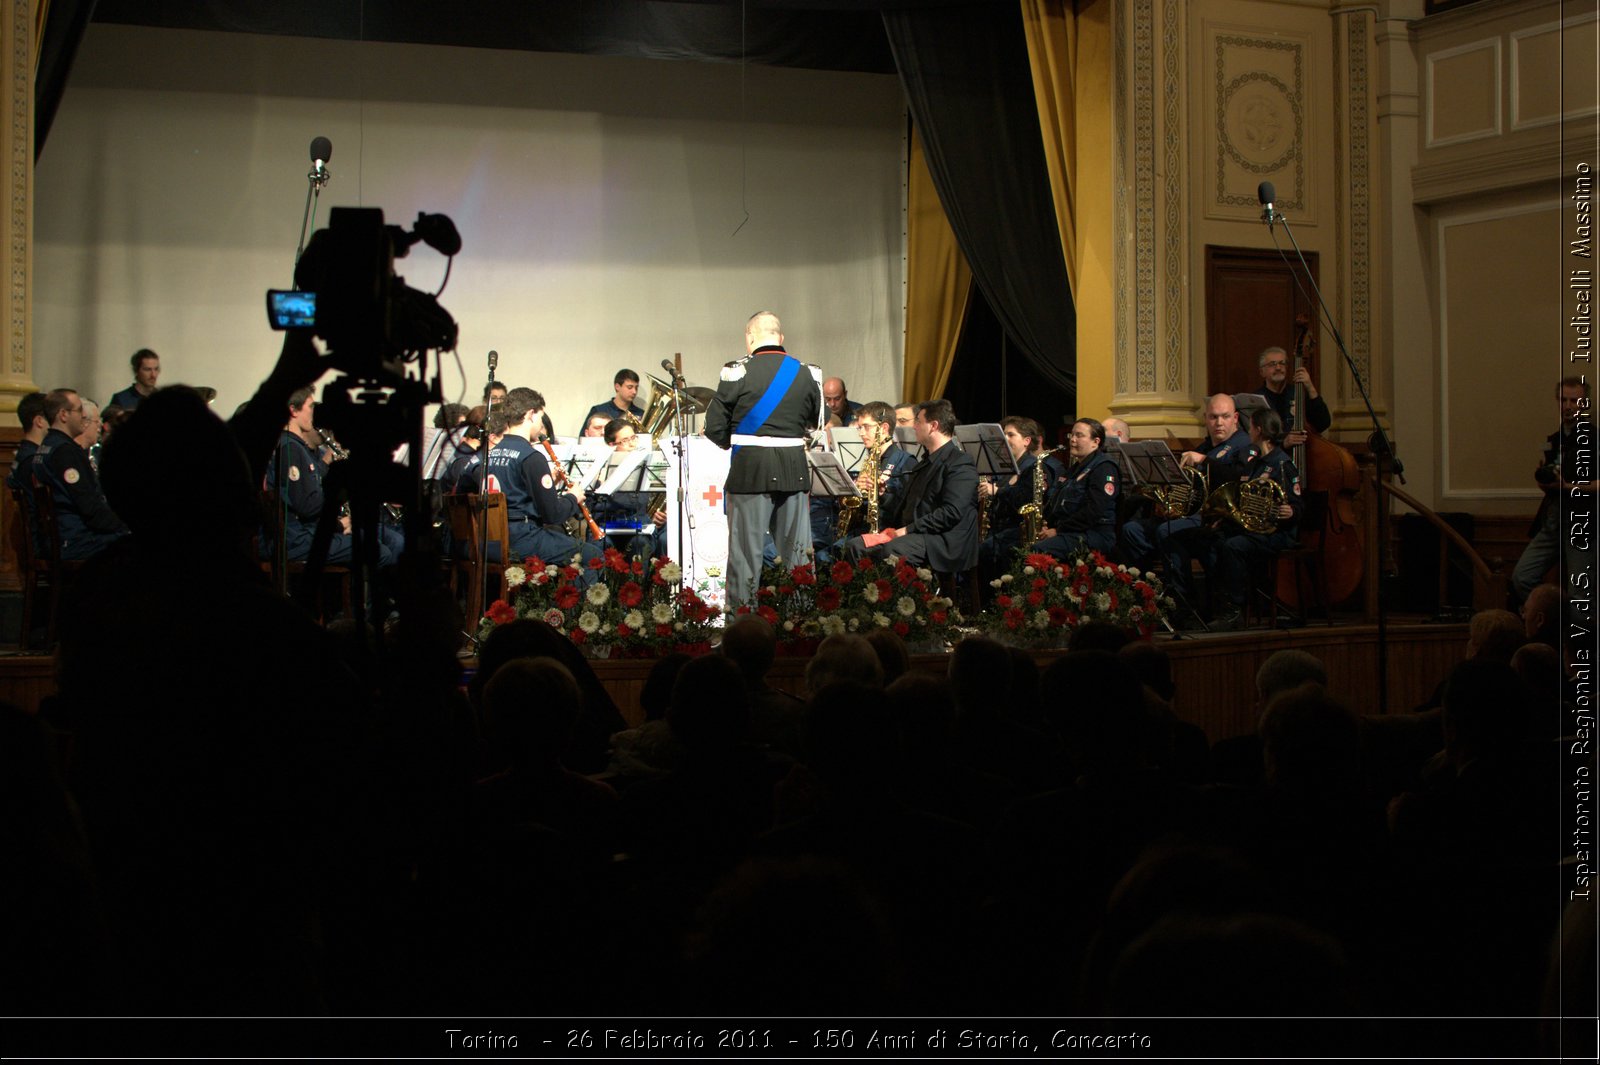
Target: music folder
{"x":848,"y":446}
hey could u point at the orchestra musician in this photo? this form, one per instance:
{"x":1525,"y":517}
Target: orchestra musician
{"x":1278,"y":390}
{"x":1240,"y":547}
{"x":1004,"y":502}
{"x":516,"y":466}
{"x":1080,"y":511}
{"x":625,"y":387}
{"x":631,"y":508}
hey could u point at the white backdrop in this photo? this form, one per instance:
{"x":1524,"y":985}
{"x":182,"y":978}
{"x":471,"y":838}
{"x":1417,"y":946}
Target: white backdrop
{"x":597,"y":200}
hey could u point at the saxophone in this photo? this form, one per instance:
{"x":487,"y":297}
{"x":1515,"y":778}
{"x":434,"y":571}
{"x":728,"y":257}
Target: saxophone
{"x":1032,"y":512}
{"x":870,"y":466}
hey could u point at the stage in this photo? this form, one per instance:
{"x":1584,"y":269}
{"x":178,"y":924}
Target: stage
{"x":1215,"y":673}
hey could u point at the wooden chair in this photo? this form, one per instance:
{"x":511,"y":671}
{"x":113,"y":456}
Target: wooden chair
{"x":466,"y":539}
{"x":45,"y":562}
{"x":272,"y":505}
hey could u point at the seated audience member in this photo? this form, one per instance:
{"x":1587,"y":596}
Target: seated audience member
{"x":650,"y":749}
{"x":1541,"y":614}
{"x":1080,"y":511}
{"x":146,"y":371}
{"x":777,"y":719}
{"x":86,"y":522}
{"x":297,"y":474}
{"x":892,"y":654}
{"x":845,"y":657}
{"x":625,"y":386}
{"x":1238,"y":760}
{"x":530,"y":706}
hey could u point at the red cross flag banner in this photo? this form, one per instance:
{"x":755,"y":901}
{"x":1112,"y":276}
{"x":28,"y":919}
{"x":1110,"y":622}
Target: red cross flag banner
{"x":703,"y":550}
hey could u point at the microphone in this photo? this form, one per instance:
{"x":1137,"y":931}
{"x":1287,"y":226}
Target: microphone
{"x":672,"y":368}
{"x":1266,"y":194}
{"x":321,"y":152}
{"x":494,"y":361}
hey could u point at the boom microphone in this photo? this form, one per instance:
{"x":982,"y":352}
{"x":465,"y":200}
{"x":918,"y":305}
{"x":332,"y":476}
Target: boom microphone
{"x":321,"y":152}
{"x":671,"y":367}
{"x":494,"y":361}
{"x":1266,"y":194}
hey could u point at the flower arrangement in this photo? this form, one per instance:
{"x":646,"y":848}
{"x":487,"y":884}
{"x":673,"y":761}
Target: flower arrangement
{"x":810,"y":602}
{"x":637,"y":607}
{"x":1042,"y":599}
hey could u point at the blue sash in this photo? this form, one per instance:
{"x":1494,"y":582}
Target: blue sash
{"x":770,"y":398}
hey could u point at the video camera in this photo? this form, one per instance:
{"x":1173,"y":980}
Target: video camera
{"x":346,"y":290}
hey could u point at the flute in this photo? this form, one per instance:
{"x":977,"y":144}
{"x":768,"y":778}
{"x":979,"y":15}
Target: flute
{"x":560,"y":475}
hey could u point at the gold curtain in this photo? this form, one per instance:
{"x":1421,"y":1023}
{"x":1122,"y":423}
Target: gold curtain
{"x":938,"y":280}
{"x":1052,"y":32}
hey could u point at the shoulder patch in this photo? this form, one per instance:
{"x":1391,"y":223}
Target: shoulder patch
{"x":547,"y":482}
{"x":733,"y":371}
{"x":816,"y":371}
{"x":72,"y":475}
{"x":1111,"y":487}
{"x":1223,"y":450}
{"x":294,"y":473}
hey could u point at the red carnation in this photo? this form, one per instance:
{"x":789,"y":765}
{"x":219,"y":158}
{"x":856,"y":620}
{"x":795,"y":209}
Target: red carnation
{"x":1002,"y":600}
{"x":1039,"y":584}
{"x":842,"y":572}
{"x":1035,"y":598}
{"x":1058,"y":616}
{"x":623,"y":630}
{"x":630,"y":594}
{"x":864,"y":564}
{"x":1039,"y":560}
{"x":1099,"y":559}
{"x":885,"y":590}
{"x":765,"y":593}
{"x":533,"y":562}
{"x":767,"y":614}
{"x":905,"y":575}
{"x":828,"y":598}
{"x":663,"y":630}
{"x":1123,"y":577}
{"x":938,"y":617}
{"x":597,"y":563}
{"x":805,"y":575}
{"x":785,"y":590}
{"x":638,"y":568}
{"x":1014,"y":618}
{"x":902,"y":629}
{"x":578,"y":636}
{"x":502,"y":612}
{"x":566,"y":596}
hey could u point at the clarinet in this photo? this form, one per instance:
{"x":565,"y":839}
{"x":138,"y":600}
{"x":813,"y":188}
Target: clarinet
{"x":565,"y":484}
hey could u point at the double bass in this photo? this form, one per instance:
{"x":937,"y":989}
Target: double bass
{"x":1329,"y":470}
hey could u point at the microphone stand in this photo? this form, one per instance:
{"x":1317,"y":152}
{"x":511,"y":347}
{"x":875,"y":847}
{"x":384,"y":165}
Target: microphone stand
{"x":680,"y":428}
{"x":483,"y":511}
{"x":1383,"y":449}
{"x":315,"y":180}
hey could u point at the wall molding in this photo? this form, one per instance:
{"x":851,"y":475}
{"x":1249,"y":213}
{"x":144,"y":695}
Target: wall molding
{"x":1500,"y":170}
{"x":1489,"y":44}
{"x":1517,"y":37}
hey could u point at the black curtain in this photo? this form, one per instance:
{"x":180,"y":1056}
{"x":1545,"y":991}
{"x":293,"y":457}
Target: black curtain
{"x":967,"y":82}
{"x":990,"y":379}
{"x":63,"y":32}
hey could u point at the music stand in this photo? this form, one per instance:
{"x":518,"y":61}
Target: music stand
{"x":848,"y":446}
{"x":829,"y":478}
{"x":1247,"y":404}
{"x":906,"y":437}
{"x":1149,"y":462}
{"x":986,"y":443}
{"x":623,"y":471}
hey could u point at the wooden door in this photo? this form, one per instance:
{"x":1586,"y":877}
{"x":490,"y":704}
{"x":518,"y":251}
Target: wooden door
{"x":1251,"y":303}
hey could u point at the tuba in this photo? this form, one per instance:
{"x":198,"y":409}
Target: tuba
{"x":1252,"y":505}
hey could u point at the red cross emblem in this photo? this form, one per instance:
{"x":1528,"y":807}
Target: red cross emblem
{"x":712,"y":495}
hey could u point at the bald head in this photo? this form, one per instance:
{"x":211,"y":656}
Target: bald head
{"x":1117,"y":429}
{"x":1222,"y":417}
{"x":762,"y":329}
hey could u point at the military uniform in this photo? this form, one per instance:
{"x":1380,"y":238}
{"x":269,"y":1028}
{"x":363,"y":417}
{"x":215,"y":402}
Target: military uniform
{"x":1144,"y":537}
{"x":296,"y":473}
{"x":1081,"y":506}
{"x":765,"y":404}
{"x":1239,"y":547}
{"x":1005,"y":514}
{"x":86,"y":521}
{"x":535,"y":511}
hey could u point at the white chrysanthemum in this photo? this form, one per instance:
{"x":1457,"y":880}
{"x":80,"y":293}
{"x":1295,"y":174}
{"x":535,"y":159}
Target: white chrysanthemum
{"x":925,"y":574}
{"x":551,"y":570}
{"x":589,"y":621}
{"x":661,"y":613}
{"x":788,"y":626}
{"x":598,"y":594}
{"x":605,"y":628}
{"x":855,"y":623}
{"x":677,"y":626}
{"x":1133,"y":571}
{"x":832,"y":624}
{"x":1102,"y":602}
{"x":1073,"y":596}
{"x":881,"y":620}
{"x":515,"y":576}
{"x":672,"y":573}
{"x":576,"y":561}
{"x":1006,"y":579}
{"x":1041,"y":619}
{"x":870,"y":593}
{"x":1028,"y":571}
{"x":995,"y":583}
{"x":1104,"y":571}
{"x":907,"y":606}
{"x":634,"y":620}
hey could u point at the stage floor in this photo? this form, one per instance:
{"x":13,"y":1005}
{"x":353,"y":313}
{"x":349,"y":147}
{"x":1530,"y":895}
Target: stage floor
{"x":1214,"y":672}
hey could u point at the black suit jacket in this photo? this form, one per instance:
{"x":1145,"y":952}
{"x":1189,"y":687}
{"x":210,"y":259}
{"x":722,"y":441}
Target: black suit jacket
{"x":940,"y":502}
